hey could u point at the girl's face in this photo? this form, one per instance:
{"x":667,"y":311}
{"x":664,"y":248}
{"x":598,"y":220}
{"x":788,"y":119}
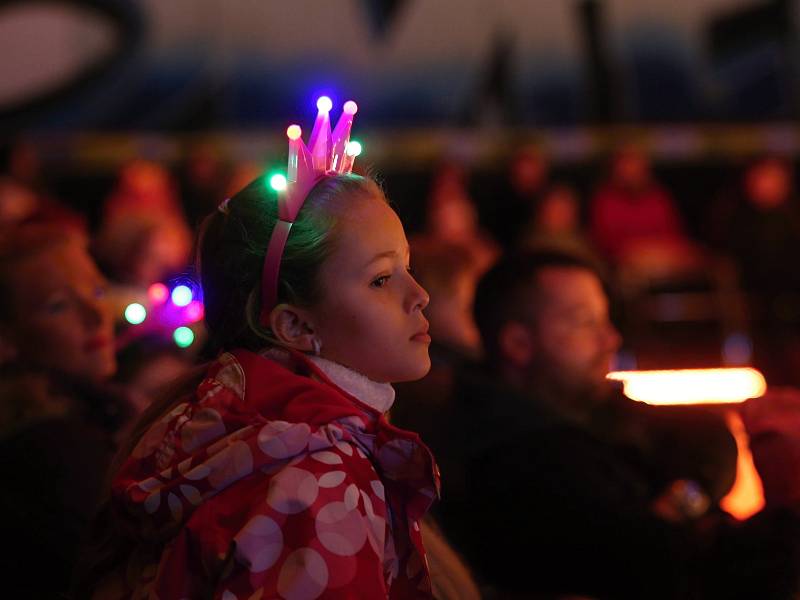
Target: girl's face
{"x":61,"y":320}
{"x":370,"y":316}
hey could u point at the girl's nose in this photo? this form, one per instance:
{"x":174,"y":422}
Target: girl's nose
{"x":95,"y":311}
{"x":418,"y":297}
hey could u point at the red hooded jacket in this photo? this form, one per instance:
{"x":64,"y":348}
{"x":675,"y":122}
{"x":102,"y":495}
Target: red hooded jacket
{"x":272,"y":482}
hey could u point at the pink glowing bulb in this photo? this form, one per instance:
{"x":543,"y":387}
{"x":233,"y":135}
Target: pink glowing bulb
{"x":158,"y":293}
{"x":195,"y":311}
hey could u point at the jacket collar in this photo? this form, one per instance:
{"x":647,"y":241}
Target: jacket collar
{"x":378,"y":396}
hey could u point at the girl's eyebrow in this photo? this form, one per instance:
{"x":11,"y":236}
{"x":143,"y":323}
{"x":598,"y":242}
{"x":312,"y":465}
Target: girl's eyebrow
{"x":387,"y":254}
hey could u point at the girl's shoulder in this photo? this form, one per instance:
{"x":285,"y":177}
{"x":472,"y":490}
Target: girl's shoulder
{"x":277,"y":386}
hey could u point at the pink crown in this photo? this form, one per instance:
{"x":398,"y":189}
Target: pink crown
{"x":327,"y":153}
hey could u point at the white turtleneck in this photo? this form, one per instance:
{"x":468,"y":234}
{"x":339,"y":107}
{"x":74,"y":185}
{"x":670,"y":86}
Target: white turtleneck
{"x":379,"y":396}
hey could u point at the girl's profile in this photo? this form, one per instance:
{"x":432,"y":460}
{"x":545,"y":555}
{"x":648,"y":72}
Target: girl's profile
{"x":275,"y":473}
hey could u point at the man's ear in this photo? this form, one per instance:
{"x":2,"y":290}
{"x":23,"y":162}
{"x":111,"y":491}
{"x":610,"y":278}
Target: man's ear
{"x":292,"y":326}
{"x":517,"y":344}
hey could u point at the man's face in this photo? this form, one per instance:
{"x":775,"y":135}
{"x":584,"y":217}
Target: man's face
{"x":574,"y":340}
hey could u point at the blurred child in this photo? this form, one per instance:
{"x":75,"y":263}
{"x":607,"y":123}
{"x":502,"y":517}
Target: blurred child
{"x":59,"y":417}
{"x":143,"y":236}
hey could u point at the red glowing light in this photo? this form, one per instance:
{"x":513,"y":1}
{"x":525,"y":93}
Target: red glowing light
{"x":158,"y":293}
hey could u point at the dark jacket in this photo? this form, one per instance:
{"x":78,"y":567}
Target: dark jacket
{"x":541,"y":505}
{"x":53,"y":461}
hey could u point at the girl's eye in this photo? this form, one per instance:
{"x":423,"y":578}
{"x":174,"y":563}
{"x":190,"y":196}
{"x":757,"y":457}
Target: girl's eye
{"x":56,"y":306}
{"x":100,"y":292}
{"x":380,"y":281}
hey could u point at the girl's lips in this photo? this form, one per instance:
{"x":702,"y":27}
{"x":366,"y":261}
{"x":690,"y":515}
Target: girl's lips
{"x":422,"y":337}
{"x":97,"y":342}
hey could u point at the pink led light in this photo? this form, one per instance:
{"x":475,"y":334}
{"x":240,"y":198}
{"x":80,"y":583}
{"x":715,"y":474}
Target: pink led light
{"x":158,"y":293}
{"x":195,"y":311}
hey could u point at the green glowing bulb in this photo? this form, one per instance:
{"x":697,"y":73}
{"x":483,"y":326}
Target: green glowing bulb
{"x":135,"y":313}
{"x":353,"y":148}
{"x":183,"y":336}
{"x":278,"y":182}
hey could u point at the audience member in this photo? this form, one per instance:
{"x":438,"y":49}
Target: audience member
{"x":143,"y":236}
{"x":452,"y":217}
{"x":526,"y":181}
{"x":635,"y":222}
{"x":759,"y":224}
{"x":450,"y":275}
{"x":24,"y":196}
{"x":59,"y":419}
{"x":585,"y":491}
{"x":556,"y":223}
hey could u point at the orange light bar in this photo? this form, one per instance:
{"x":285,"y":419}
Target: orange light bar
{"x":692,"y":386}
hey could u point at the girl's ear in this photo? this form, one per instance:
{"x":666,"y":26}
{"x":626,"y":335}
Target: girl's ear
{"x":292,"y":327}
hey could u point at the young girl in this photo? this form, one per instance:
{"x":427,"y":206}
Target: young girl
{"x":279,"y":476}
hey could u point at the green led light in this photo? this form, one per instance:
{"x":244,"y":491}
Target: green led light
{"x":278,"y":182}
{"x":183,"y":336}
{"x":135,"y":313}
{"x":353,"y":148}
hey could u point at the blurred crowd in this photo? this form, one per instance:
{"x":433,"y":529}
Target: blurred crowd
{"x":530,"y":288}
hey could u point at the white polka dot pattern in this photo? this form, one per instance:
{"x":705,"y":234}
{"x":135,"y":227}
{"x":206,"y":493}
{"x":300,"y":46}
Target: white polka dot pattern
{"x":304,"y":575}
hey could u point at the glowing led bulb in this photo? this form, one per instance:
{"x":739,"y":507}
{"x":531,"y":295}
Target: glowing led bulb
{"x":293,"y":132}
{"x":324,"y":104}
{"x":353,"y":148}
{"x":195,"y":311}
{"x":158,"y":293}
{"x":181,"y":295}
{"x":350,"y":107}
{"x":183,"y":336}
{"x":135,"y":313}
{"x":278,"y":182}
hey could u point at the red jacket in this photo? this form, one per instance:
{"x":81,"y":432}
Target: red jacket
{"x":622,"y":218}
{"x":272,"y":482}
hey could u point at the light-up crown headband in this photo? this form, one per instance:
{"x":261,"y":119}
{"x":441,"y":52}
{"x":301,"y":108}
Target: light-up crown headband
{"x":325,"y":155}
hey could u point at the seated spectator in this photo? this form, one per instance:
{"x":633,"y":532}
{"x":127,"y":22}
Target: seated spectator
{"x":526,"y":180}
{"x":24,"y":196}
{"x":143,"y":236}
{"x":597,"y":495}
{"x":452,"y":216}
{"x":635,"y":223}
{"x":556,"y":224}
{"x":59,"y":419}
{"x":758,"y":223}
{"x":450,"y":275}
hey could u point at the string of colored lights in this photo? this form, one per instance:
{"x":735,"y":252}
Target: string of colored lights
{"x":164,"y":310}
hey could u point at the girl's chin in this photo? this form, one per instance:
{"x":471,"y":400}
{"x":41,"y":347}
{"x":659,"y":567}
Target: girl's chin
{"x":414,"y":373}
